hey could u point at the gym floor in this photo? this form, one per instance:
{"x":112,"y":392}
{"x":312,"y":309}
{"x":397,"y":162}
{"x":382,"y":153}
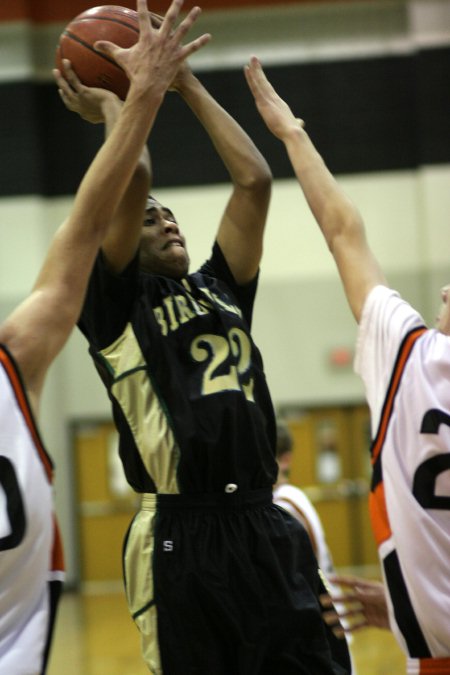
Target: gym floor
{"x":95,"y":636}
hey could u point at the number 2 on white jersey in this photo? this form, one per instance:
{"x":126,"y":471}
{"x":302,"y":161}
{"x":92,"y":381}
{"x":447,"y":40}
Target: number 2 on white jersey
{"x":427,"y":473}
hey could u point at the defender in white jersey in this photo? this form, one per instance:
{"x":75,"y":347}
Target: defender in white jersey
{"x":31,"y":563}
{"x":34,"y":333}
{"x":406,"y":372}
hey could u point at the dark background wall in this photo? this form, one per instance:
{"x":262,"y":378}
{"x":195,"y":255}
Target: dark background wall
{"x":371,"y":114}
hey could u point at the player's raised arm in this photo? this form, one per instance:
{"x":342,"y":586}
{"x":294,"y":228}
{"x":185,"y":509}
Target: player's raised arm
{"x":164,"y":54}
{"x":38,"y":328}
{"x":241,"y":229}
{"x":338,"y":218}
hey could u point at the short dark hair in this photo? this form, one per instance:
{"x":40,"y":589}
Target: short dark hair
{"x":284,"y":438}
{"x":151,"y":201}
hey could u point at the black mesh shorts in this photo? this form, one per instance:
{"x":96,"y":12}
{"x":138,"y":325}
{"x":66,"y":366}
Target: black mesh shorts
{"x":227,"y":585}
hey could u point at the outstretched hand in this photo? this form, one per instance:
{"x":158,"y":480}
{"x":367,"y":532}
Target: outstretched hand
{"x":363,"y":605}
{"x":275,"y":112}
{"x":86,"y":101}
{"x":157,"y":55}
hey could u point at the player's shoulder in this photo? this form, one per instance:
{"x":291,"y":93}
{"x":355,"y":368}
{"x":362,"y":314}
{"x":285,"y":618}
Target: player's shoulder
{"x":289,"y":492}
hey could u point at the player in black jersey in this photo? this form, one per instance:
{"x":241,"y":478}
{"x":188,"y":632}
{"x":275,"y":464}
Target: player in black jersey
{"x":31,"y":561}
{"x":218,"y":579}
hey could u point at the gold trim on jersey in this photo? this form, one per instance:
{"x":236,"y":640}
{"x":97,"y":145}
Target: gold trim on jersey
{"x":133,"y":390}
{"x":138,"y":567}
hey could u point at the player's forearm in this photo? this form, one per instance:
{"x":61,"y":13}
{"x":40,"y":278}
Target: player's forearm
{"x":97,"y":199}
{"x":111,"y":108}
{"x":332,"y":209}
{"x":106,"y":181}
{"x":245,"y":164}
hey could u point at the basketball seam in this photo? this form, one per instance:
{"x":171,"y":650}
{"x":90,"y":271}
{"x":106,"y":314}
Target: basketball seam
{"x":75,"y":38}
{"x":109,"y":18}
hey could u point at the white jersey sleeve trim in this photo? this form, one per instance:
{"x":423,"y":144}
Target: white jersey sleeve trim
{"x":386,"y":319}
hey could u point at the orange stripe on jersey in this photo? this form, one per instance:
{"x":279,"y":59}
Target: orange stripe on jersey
{"x":434,"y":666}
{"x":399,"y":367}
{"x":57,"y":551}
{"x":16,"y":383}
{"x":377,"y":502}
{"x":378,"y":514}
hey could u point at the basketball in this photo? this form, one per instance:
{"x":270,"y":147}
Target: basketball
{"x":76,"y":43}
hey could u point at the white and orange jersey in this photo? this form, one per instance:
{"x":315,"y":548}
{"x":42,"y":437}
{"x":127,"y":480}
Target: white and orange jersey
{"x":30,"y":550}
{"x":406,"y":372}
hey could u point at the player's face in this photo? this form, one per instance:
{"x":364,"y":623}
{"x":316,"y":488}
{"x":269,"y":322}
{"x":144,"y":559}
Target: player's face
{"x":443,"y":318}
{"x":163,"y":247}
{"x":284,"y":464}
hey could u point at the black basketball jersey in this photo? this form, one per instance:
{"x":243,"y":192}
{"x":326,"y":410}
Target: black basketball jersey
{"x":186,"y":381}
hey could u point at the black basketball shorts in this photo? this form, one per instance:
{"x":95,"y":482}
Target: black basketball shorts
{"x":226,"y":585}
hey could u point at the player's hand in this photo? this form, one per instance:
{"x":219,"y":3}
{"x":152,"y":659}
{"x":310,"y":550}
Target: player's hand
{"x":88,"y":102}
{"x":183,"y":75}
{"x":153,"y":62}
{"x":184,"y":72}
{"x":277,"y":115}
{"x":363,"y":605}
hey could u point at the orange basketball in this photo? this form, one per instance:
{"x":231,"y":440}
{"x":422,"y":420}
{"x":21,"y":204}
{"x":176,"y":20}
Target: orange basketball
{"x":76,"y":43}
